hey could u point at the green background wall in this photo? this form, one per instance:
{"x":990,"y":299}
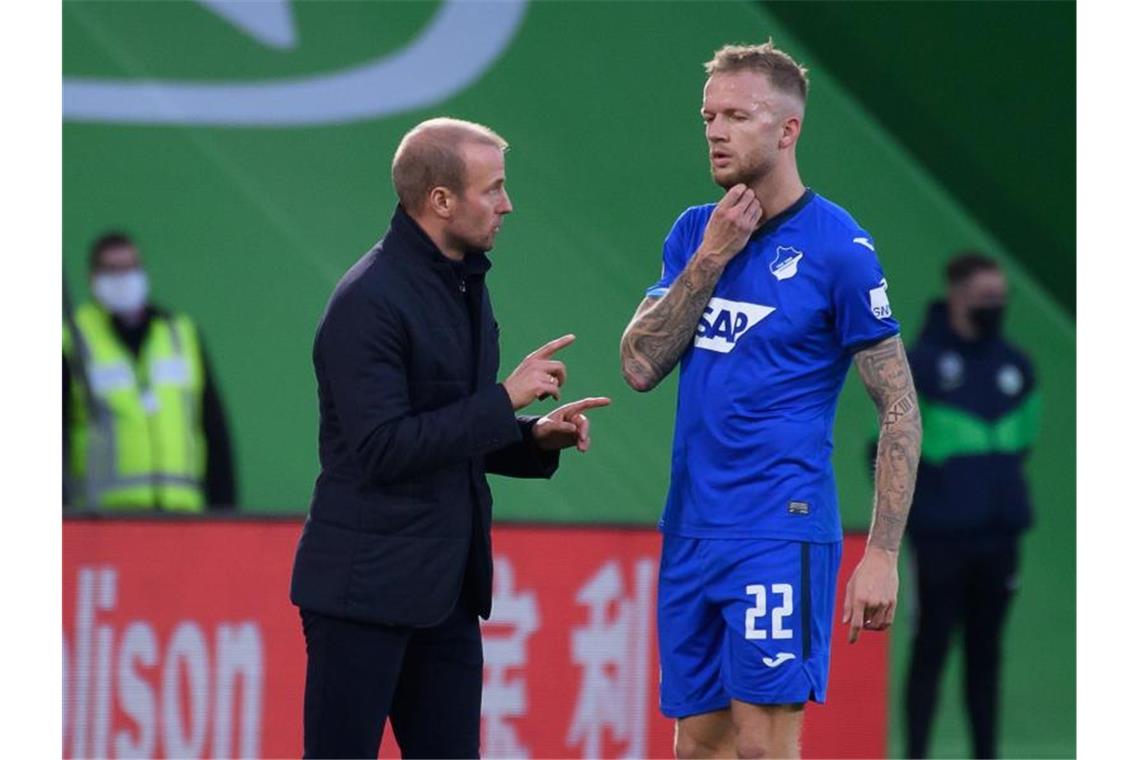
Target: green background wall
{"x":248,"y":229}
{"x":983,"y":94}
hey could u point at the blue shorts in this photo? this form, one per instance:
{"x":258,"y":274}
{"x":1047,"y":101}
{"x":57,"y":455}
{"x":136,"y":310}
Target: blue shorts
{"x":744,"y":619}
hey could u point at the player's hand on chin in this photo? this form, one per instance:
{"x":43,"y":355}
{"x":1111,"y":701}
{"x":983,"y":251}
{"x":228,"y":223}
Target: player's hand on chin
{"x":733,"y":221}
{"x":872,"y":592}
{"x":567,"y":426}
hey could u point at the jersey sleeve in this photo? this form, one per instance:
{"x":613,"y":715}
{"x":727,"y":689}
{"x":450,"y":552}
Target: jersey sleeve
{"x":861,"y":306}
{"x":674,"y":254}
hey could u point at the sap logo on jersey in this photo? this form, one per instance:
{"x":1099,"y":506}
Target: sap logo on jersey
{"x":880,"y":306}
{"x":724,"y":323}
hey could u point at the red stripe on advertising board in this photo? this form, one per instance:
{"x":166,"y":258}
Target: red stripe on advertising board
{"x":179,"y":639}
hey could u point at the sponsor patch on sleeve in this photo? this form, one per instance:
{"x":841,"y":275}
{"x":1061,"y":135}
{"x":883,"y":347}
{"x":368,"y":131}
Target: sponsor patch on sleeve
{"x":880,"y":306}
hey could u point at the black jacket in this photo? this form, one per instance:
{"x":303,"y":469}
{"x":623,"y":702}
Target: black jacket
{"x":979,"y":411}
{"x":411,"y":419}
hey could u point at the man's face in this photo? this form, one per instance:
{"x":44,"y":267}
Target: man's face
{"x":985,"y":289}
{"x":481,"y":206}
{"x":744,"y":119}
{"x":118,"y":281}
{"x":122,"y":258}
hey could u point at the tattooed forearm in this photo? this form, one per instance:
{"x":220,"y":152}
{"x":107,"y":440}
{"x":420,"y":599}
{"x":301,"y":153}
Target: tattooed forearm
{"x":886,"y":375}
{"x":663,"y":328}
{"x":899,"y":410}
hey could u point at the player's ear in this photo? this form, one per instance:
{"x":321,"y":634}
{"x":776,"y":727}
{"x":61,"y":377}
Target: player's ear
{"x":441,"y":202}
{"x":790,"y":132}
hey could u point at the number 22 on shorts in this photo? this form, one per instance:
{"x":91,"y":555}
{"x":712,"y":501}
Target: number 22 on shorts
{"x":760,"y":592}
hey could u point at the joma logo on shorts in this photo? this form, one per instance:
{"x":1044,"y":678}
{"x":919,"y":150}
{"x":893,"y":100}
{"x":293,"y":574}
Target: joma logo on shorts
{"x":778,"y":660}
{"x":724,"y":323}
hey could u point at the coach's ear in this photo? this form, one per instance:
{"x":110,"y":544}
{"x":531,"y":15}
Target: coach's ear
{"x":441,"y":202}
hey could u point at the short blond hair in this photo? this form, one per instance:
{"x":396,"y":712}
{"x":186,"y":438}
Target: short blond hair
{"x":430,"y":155}
{"x":782,"y":70}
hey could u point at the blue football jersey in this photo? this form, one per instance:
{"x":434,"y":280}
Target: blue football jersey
{"x":759,"y":386}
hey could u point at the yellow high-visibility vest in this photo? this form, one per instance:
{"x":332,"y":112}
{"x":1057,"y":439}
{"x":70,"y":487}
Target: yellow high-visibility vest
{"x":136,"y":436}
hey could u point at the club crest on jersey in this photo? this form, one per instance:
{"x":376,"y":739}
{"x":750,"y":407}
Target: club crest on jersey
{"x":725,"y":322}
{"x":786,"y":263}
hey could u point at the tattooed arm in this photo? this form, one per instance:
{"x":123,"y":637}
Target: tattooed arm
{"x":886,"y":374}
{"x":873,"y":589}
{"x":662,"y":328}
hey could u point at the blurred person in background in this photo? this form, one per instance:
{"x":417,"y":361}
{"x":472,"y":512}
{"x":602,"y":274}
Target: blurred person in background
{"x":143,"y":423}
{"x":393,"y":569}
{"x":980,"y":410}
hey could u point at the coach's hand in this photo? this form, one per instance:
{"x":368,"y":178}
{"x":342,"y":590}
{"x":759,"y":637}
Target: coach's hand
{"x":538,"y":376}
{"x":872,"y":593}
{"x":567,"y":426}
{"x":732,"y":222}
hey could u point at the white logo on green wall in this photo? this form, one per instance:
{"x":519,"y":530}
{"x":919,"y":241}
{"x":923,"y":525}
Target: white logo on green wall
{"x":459,"y":43}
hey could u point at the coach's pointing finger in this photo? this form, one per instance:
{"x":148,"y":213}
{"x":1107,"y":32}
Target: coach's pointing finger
{"x":549,"y":349}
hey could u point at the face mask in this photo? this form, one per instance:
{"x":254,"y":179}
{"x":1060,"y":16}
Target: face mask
{"x":987,"y":320}
{"x":121,"y":292}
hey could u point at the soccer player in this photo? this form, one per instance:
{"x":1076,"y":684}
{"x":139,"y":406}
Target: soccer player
{"x":765,"y":298}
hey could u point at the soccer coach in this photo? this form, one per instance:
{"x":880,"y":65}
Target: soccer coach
{"x":393,"y":568}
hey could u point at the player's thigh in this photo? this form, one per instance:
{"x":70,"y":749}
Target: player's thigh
{"x":435,"y":712}
{"x":690,"y":633}
{"x":710,"y":734}
{"x":777,"y":600}
{"x":351,"y":674}
{"x":767,"y":730}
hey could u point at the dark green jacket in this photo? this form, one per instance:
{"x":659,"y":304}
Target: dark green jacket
{"x":980,"y":413}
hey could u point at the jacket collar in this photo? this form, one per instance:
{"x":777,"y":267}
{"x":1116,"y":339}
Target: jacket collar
{"x":409,"y":235}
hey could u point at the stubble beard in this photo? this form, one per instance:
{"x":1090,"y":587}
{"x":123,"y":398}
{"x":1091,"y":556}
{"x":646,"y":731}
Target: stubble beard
{"x":749,"y":176}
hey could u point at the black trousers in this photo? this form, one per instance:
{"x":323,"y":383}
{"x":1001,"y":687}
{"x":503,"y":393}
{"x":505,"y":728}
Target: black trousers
{"x":967,"y":582}
{"x":427,"y":681}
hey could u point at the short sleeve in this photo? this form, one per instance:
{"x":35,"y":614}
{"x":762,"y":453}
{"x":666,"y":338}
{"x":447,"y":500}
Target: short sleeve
{"x":675,"y":253}
{"x":861,"y":305}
